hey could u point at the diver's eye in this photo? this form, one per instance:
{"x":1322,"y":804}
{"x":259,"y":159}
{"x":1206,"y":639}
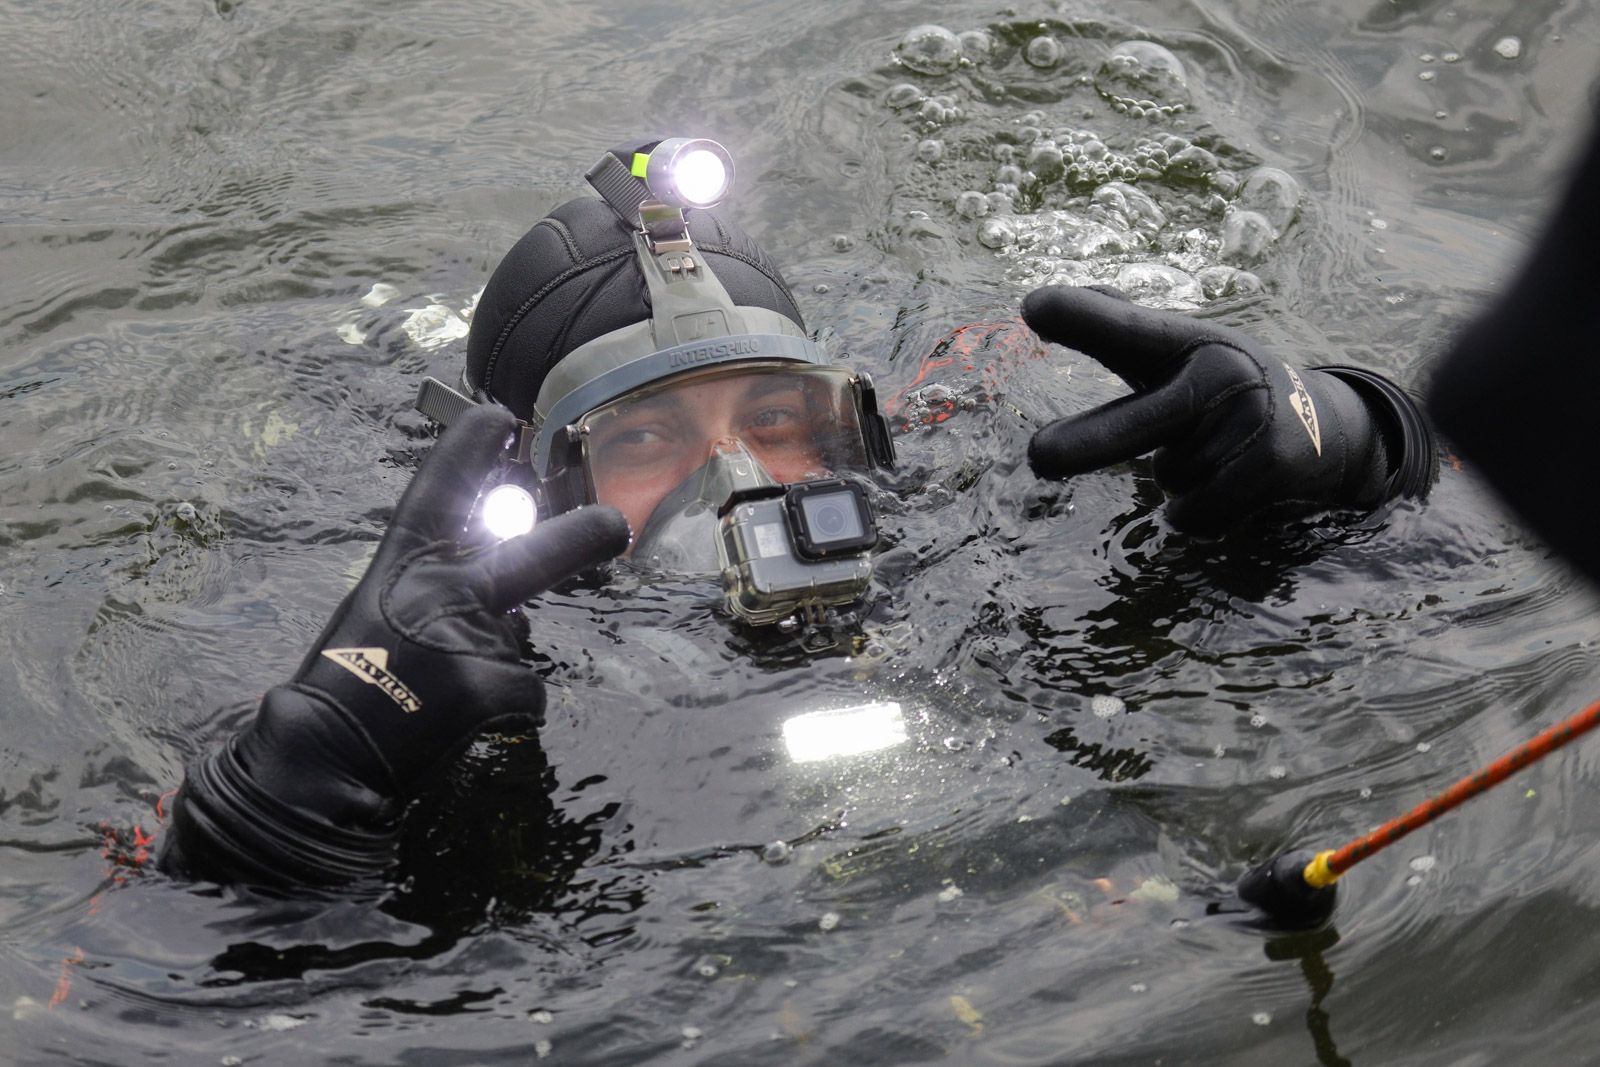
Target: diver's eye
{"x":643,"y":430}
{"x":775,"y":417}
{"x":635,"y":437}
{"x":779,"y":412}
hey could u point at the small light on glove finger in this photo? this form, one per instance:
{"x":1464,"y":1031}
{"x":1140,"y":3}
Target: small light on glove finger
{"x":507,"y":511}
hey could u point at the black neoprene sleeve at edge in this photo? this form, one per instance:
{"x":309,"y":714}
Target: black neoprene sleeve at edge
{"x":229,"y":824}
{"x":1517,"y":393}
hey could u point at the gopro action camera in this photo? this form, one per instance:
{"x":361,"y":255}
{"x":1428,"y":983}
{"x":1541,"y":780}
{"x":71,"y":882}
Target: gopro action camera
{"x":796,"y":549}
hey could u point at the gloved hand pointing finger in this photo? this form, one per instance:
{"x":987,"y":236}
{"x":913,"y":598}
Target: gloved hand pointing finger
{"x":1237,"y":433}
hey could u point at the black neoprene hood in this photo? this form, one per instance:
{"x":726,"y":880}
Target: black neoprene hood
{"x":574,"y":277}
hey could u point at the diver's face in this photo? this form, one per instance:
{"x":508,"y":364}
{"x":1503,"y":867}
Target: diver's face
{"x":650,"y":448}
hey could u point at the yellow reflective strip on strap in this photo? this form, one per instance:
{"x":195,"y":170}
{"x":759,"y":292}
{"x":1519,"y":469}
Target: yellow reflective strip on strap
{"x":1318,"y":874}
{"x":641,"y":164}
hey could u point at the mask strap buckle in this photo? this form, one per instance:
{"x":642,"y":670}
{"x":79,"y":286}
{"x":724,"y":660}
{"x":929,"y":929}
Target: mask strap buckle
{"x":444,"y":405}
{"x":665,"y":228}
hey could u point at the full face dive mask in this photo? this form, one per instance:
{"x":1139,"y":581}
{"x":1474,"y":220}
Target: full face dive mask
{"x":726,"y":435}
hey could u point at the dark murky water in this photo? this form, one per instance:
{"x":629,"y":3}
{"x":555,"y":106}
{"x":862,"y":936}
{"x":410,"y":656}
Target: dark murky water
{"x":204,"y":418}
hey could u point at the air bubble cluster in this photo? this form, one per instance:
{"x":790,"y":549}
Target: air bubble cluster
{"x":1104,"y":177}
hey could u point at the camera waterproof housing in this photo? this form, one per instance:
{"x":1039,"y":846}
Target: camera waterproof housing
{"x":795,"y":550}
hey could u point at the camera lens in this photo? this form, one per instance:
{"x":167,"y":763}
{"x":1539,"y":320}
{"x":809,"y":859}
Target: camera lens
{"x":832,"y":517}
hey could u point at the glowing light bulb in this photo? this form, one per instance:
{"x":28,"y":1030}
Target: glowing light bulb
{"x":700,"y":176}
{"x":686,"y":172}
{"x":508,"y":511}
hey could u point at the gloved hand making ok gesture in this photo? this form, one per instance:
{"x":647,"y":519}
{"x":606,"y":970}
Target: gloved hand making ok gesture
{"x":423,"y":655}
{"x":1238,"y":434}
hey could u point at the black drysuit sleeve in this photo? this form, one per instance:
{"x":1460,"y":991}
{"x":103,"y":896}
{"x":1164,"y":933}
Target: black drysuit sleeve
{"x":1517,"y":392}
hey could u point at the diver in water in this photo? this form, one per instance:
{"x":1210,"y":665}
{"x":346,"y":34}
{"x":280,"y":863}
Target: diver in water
{"x":637,"y":365}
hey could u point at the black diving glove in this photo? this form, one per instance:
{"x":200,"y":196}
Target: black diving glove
{"x":422,"y":656}
{"x":1238,"y":434}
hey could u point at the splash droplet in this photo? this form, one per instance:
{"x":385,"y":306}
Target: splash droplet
{"x":1246,"y":237}
{"x":1272,"y":192}
{"x":1042,"y":52}
{"x":1143,"y":74}
{"x":1159,"y":285}
{"x":996,"y":233}
{"x":903,"y":96}
{"x":975,"y":45}
{"x":972,"y":204}
{"x":1106,"y":707}
{"x":929,"y":49}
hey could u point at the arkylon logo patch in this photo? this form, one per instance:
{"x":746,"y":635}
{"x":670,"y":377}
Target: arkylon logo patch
{"x":371,"y":665}
{"x":1301,"y":402}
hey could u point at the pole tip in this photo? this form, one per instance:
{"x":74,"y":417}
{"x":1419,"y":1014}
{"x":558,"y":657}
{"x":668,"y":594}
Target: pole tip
{"x":1279,"y":888}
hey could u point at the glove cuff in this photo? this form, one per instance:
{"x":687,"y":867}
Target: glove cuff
{"x":226,"y":827}
{"x":1413,"y":454}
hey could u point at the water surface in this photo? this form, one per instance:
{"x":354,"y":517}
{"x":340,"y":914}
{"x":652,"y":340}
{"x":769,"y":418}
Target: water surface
{"x":236,"y":237}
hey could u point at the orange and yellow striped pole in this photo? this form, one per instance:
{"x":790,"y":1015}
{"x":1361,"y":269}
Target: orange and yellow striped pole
{"x":1301,"y":893}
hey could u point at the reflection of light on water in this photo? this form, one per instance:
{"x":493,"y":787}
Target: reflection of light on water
{"x":434,"y":325}
{"x":820,"y":735}
{"x":428,"y":327}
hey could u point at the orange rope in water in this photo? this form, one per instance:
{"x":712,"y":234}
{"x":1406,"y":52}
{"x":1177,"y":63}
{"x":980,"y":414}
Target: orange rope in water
{"x":1328,"y":866}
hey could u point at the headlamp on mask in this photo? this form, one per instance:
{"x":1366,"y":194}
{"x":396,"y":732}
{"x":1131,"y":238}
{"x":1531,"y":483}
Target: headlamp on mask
{"x":685,"y":172}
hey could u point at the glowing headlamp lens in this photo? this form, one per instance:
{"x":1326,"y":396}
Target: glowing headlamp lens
{"x":700,"y":177}
{"x":689,"y":172}
{"x":508,"y":511}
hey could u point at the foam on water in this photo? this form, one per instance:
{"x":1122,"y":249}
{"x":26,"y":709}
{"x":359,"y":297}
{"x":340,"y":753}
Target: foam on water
{"x":1122,"y":178}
